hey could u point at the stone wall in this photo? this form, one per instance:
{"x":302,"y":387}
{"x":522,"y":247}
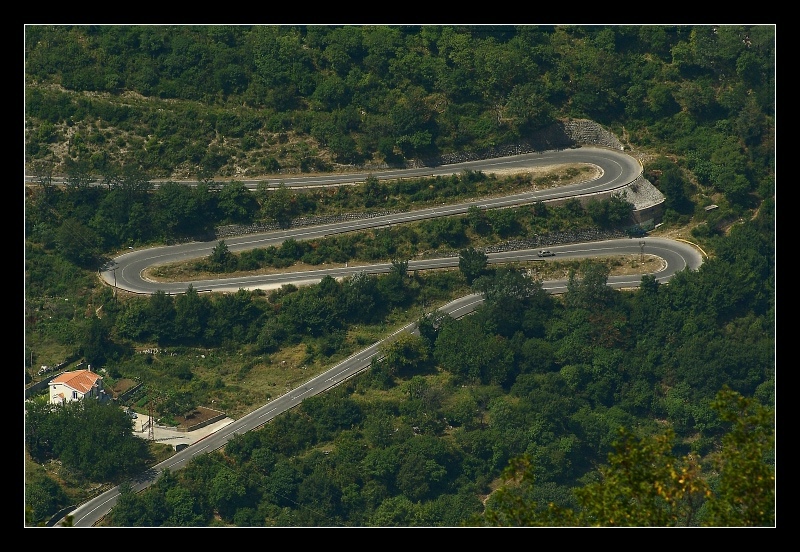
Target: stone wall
{"x":584,"y":131}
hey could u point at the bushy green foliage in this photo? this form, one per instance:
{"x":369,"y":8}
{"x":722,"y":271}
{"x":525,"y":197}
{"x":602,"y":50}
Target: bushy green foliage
{"x":645,"y":484}
{"x":93,"y":438}
{"x":43,"y":497}
{"x":419,"y":445}
{"x":419,"y":99}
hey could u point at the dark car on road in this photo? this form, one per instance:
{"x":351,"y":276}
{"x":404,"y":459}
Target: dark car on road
{"x":546,"y":253}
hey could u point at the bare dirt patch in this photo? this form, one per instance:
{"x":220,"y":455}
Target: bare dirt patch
{"x":121,"y":386}
{"x":559,"y":175}
{"x":186,"y":270}
{"x":621,"y":265}
{"x":197,"y":416}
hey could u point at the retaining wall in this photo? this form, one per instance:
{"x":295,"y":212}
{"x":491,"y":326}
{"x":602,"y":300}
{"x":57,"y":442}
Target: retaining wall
{"x":123,"y":397}
{"x":220,"y":416}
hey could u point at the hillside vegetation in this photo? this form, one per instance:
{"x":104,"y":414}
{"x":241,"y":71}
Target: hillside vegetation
{"x":537,"y":409}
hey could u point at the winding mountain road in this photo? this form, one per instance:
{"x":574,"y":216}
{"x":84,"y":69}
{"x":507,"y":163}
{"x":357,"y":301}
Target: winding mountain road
{"x":126,"y":272}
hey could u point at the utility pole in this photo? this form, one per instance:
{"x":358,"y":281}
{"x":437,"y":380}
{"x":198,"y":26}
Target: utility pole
{"x":155,"y":399}
{"x":150,"y":412}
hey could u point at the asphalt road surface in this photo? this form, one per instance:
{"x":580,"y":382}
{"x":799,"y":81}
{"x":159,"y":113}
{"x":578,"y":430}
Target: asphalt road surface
{"x":125,"y":272}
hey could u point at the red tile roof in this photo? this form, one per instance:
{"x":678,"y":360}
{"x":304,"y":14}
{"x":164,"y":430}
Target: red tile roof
{"x":80,"y":380}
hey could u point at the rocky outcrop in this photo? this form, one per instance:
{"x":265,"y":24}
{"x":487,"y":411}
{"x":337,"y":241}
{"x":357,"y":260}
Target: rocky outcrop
{"x":568,"y":133}
{"x":584,"y":131}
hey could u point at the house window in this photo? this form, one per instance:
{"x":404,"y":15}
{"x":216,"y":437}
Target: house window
{"x":74,"y":394}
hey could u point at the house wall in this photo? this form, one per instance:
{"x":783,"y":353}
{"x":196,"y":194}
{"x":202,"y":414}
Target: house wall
{"x":67,"y":391}
{"x":60,"y":388}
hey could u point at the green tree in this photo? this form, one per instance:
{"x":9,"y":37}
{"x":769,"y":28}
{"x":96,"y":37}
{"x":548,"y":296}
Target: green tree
{"x":503,"y":221}
{"x":744,"y":494}
{"x":134,"y":181}
{"x":312,"y":310}
{"x":183,"y":508}
{"x":78,"y":243}
{"x":43,"y":498}
{"x":529,"y":108}
{"x":464,"y":349}
{"x":96,"y":345}
{"x":182,"y":210}
{"x":131,"y":322}
{"x":477,"y":220}
{"x":590,"y":290}
{"x":399,"y":268}
{"x":40,"y":428}
{"x":428,"y":326}
{"x":321,"y":496}
{"x":645,"y":485}
{"x":396,"y":511}
{"x":129,"y":511}
{"x":191,"y":315}
{"x":472,"y":263}
{"x":642,"y":486}
{"x":360,"y":297}
{"x":78,"y":174}
{"x":233,"y":317}
{"x":332,"y":413}
{"x":160,"y":315}
{"x":279,"y":205}
{"x":613,"y":212}
{"x":227,"y":491}
{"x":406,"y":354}
{"x":236,"y":203}
{"x":668,"y":178}
{"x":393,"y":286}
{"x":221,"y":259}
{"x":89,"y":436}
{"x":508,"y":294}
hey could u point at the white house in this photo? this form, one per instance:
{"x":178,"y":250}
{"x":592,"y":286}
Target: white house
{"x":75,"y":385}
